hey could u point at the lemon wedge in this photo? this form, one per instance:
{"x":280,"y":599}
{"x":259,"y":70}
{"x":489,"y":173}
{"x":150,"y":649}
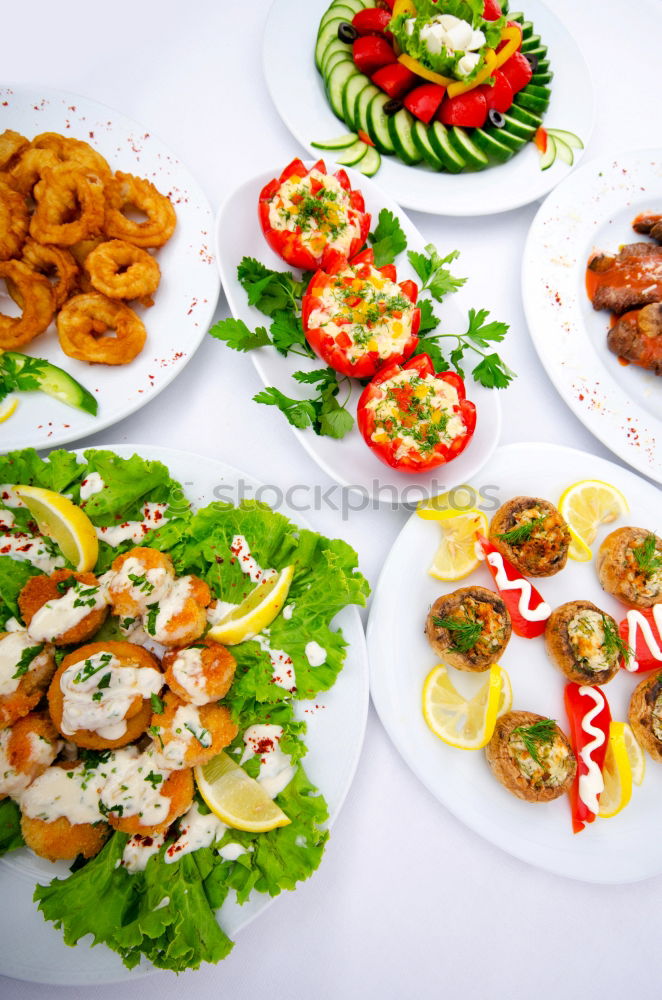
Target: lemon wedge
{"x":617,"y":774}
{"x":457,"y":501}
{"x":465,"y":723}
{"x":585,"y":506}
{"x":256,"y":612}
{"x":456,"y":556}
{"x":237,"y":799}
{"x":65,"y":523}
{"x":635,"y":755}
{"x":7,"y":408}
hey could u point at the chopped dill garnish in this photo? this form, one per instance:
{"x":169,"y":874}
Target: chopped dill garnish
{"x":646,"y":555}
{"x":532,"y":736}
{"x":522,"y":533}
{"x":465,"y":633}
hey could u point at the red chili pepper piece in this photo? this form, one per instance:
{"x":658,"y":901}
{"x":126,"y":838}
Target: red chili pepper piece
{"x":511,"y":598}
{"x":577,"y":706}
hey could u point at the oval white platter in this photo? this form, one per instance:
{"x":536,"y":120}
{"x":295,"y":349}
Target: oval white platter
{"x":183,"y":304}
{"x":625,"y":848}
{"x":348,"y":461}
{"x":298,"y":94}
{"x":32,"y":949}
{"x":593,"y":210}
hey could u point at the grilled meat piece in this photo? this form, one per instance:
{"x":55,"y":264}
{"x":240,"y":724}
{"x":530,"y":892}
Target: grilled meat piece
{"x":649,"y":225}
{"x":637,"y":337}
{"x":631,"y":279}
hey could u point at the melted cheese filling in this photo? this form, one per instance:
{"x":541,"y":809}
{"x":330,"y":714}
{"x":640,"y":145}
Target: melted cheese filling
{"x":322,"y":219}
{"x":419,"y":412}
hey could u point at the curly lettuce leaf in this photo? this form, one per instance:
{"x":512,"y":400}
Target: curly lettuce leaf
{"x":11,"y":837}
{"x":25,"y":467}
{"x":445,"y":62}
{"x":13,"y":577}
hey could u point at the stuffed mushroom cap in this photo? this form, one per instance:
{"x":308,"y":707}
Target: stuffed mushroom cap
{"x":470,"y":628}
{"x":629,"y":565}
{"x":582,"y":641}
{"x":532,"y":535}
{"x":531,"y":757}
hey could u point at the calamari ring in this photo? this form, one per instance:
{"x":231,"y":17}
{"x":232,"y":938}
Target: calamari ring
{"x":33,"y":293}
{"x":74,"y":151}
{"x":121,"y":270}
{"x":81,"y":252}
{"x":62,"y":190}
{"x":83,"y":321}
{"x":30,"y":168}
{"x":127,"y":191}
{"x":14,"y":221}
{"x":11,"y":145}
{"x":53,"y":262}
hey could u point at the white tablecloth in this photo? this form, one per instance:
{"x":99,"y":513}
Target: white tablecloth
{"x":407,"y":901}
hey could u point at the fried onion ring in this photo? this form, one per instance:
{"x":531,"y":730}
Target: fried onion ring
{"x":126,"y":191}
{"x":83,"y":321}
{"x":53,"y":262}
{"x":14,"y":221}
{"x":121,"y":270}
{"x":31,"y":167}
{"x":33,"y":293}
{"x":62,"y":191}
{"x":12,"y":145}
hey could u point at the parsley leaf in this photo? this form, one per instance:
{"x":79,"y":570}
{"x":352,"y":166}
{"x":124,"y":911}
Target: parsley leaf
{"x":483,"y":333}
{"x":322,"y":412}
{"x":267,"y":290}
{"x":287,"y":332}
{"x":428,"y":319}
{"x":491,"y":371}
{"x":238,"y":336}
{"x":432,"y":270}
{"x":301,"y":413}
{"x":388,"y":240}
{"x":25,"y":659}
{"x":158,"y":705}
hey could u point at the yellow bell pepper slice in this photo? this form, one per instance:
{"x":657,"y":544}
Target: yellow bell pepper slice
{"x":428,"y":74}
{"x":462,"y":86}
{"x":512,"y":35}
{"x":404,"y":7}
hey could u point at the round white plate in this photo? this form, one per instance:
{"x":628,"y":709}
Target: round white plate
{"x":298,"y":92}
{"x":349,"y":461}
{"x":32,"y":949}
{"x":185,"y":300}
{"x":592,"y":210}
{"x":623,"y":849}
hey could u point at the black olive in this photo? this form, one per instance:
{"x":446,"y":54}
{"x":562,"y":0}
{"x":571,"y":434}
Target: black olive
{"x":532,"y":61}
{"x":496,"y":119}
{"x":393,"y":106}
{"x":347,"y":32}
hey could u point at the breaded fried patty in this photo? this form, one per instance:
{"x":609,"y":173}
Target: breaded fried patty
{"x":40,"y":590}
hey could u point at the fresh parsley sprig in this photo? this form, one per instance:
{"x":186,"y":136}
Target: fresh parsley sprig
{"x":388,"y":239}
{"x":323,"y":412}
{"x":535,"y":735}
{"x":491,"y":371}
{"x":20,"y":376}
{"x":433,"y":272}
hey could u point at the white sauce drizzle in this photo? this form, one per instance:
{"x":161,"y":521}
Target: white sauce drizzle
{"x":592,"y":783}
{"x":92,"y":484}
{"x":171,"y":605}
{"x":185,"y":726}
{"x":133,"y":784}
{"x":282,"y":667}
{"x":58,"y":615}
{"x":232,"y":851}
{"x":70,"y":793}
{"x":139,"y":849}
{"x":99,"y":691}
{"x":153,"y":583}
{"x":135,"y":531}
{"x":12,"y":647}
{"x":635,"y":621}
{"x":247,"y":564}
{"x":288,"y":610}
{"x":529,"y":614}
{"x":218,"y":610}
{"x":196,"y":830}
{"x":34,"y":549}
{"x":276,"y":770}
{"x":187,"y":671}
{"x":315,"y":654}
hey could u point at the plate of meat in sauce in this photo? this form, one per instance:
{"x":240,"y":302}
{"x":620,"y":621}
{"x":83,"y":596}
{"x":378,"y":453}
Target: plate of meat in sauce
{"x":592,"y":288}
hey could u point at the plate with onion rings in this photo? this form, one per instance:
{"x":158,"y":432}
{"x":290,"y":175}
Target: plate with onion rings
{"x":106,"y":266}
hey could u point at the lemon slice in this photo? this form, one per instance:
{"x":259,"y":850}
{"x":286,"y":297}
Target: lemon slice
{"x":7,"y":407}
{"x":585,"y":506}
{"x":256,"y":612}
{"x":635,"y":755}
{"x":465,"y":723}
{"x":456,"y":556}
{"x":236,"y":798}
{"x":65,"y":523}
{"x":617,"y":774}
{"x":460,"y":500}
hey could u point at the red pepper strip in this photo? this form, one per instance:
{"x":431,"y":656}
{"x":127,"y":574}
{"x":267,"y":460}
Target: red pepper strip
{"x":644,"y":654}
{"x":511,"y":598}
{"x":578,"y":705}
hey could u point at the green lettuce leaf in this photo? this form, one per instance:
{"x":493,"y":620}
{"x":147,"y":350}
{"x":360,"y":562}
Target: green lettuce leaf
{"x":11,"y":837}
{"x":25,"y":467}
{"x":13,"y":577}
{"x":446,"y":61}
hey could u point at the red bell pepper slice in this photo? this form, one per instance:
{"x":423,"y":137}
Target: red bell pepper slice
{"x":468,"y":110}
{"x":578,"y":704}
{"x":491,"y":10}
{"x":424,"y":101}
{"x":395,"y":79}
{"x":288,"y":243}
{"x":511,"y":598}
{"x":518,"y":71}
{"x":335,"y":350}
{"x":372,"y":21}
{"x":371,"y":52}
{"x":386,"y":449}
{"x":540,"y":139}
{"x":647,"y":649}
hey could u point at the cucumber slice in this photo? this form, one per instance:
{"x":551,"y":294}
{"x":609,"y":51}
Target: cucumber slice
{"x":342,"y":142}
{"x":532,"y":42}
{"x":354,"y":5}
{"x":370,"y":163}
{"x":527,"y":28}
{"x":378,"y":129}
{"x":515,"y":127}
{"x":327,"y":35}
{"x":549,"y":156}
{"x":569,"y":138}
{"x":543,"y":64}
{"x":541,"y":78}
{"x":563,"y":150}
{"x":334,"y":47}
{"x":353,"y":156}
{"x":473,"y":157}
{"x":400,"y":126}
{"x":335,"y":11}
{"x":441,"y":144}
{"x":504,"y":136}
{"x":333,"y":60}
{"x":56,"y":382}
{"x":517,"y":16}
{"x":363,"y":102}
{"x":544,"y":93}
{"x":539,"y":51}
{"x":335,"y":85}
{"x":532,"y":102}
{"x":493,"y":148}
{"x":525,"y":116}
{"x":350,"y":96}
{"x":422,"y":140}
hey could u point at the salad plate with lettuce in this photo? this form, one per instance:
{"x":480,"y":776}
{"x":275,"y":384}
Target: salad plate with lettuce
{"x":179,"y":914}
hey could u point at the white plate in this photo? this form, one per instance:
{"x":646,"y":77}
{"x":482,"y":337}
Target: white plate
{"x":593,"y":209}
{"x":349,"y":461}
{"x":183,"y":304}
{"x":32,"y":949}
{"x":623,"y":849}
{"x":298,"y":92}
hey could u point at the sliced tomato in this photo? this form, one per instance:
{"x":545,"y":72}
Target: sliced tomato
{"x":424,"y":101}
{"x":371,"y":52}
{"x":491,"y":10}
{"x":468,"y":110}
{"x":395,"y":79}
{"x":372,"y":21}
{"x":288,"y":243}
{"x":518,"y":71}
{"x":500,"y":96}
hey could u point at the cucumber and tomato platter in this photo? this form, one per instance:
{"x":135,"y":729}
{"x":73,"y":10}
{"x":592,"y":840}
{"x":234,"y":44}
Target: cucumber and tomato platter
{"x":457,"y":85}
